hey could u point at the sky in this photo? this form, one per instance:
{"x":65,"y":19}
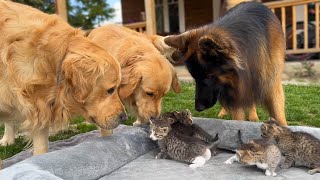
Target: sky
{"x":116,"y":4}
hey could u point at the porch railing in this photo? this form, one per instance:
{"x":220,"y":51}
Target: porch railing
{"x":281,"y":8}
{"x":138,"y":26}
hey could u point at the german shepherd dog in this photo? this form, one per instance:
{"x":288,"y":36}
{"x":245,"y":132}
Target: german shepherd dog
{"x":238,"y":60}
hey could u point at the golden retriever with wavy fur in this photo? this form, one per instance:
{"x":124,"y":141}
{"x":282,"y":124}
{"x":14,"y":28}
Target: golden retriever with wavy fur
{"x":50,"y":72}
{"x":146,"y":74}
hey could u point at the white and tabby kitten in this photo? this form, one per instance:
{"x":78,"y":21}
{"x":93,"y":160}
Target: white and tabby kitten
{"x":177,"y":146}
{"x":259,"y":152}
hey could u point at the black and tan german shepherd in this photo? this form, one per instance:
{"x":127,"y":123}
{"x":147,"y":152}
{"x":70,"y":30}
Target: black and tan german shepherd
{"x":238,"y":60}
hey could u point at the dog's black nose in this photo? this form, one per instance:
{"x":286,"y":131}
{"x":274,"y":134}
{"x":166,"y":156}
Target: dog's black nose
{"x":123,"y":117}
{"x":200,"y":107}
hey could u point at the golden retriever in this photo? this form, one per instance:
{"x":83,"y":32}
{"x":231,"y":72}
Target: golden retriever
{"x":50,"y":72}
{"x":146,"y":74}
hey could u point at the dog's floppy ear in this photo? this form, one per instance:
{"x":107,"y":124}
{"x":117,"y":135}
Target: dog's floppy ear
{"x":212,"y":46}
{"x":175,"y":85}
{"x":129,"y":82}
{"x":81,"y":74}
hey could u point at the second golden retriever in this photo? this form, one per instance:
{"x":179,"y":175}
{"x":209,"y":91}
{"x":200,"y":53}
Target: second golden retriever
{"x":50,"y":72}
{"x":146,"y":74}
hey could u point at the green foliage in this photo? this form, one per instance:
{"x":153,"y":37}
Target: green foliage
{"x":43,"y":5}
{"x":87,"y":13}
{"x":81,"y":13}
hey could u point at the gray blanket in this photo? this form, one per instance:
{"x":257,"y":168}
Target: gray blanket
{"x":129,"y":154}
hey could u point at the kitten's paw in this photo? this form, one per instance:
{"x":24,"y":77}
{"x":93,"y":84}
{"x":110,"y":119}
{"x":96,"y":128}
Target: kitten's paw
{"x":160,"y":156}
{"x":6,"y":141}
{"x":194,"y":166}
{"x":231,"y":160}
{"x":268,"y":173}
{"x":274,"y":174}
{"x":228,"y":162}
{"x":312,"y":171}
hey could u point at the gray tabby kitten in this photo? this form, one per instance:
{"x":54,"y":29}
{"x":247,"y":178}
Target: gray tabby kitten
{"x":183,"y":124}
{"x":178,"y":146}
{"x":259,"y":152}
{"x":295,"y":146}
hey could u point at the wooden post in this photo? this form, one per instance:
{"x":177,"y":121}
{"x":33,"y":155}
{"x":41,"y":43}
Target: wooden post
{"x":216,"y":9}
{"x":150,"y":17}
{"x":61,"y":9}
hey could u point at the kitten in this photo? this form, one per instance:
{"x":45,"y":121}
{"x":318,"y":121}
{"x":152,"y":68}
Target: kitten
{"x":295,"y":146}
{"x":259,"y":152}
{"x":177,"y":146}
{"x":183,"y":124}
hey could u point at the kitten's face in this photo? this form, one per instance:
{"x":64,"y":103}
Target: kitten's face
{"x":270,"y":130}
{"x":246,"y":157}
{"x":248,"y":153}
{"x":160,"y":128}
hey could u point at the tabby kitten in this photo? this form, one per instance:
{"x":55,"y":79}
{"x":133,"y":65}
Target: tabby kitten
{"x":295,"y":146}
{"x":177,"y":146}
{"x":259,"y":152}
{"x":183,"y":124}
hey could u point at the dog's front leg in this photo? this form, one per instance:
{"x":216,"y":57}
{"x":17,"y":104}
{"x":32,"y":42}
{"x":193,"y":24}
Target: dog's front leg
{"x":9,"y":134}
{"x":105,"y":132}
{"x":40,"y":141}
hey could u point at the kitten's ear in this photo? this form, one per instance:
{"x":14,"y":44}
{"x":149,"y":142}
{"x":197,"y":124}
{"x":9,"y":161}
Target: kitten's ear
{"x":171,"y":120}
{"x":189,"y":122}
{"x":188,"y":115}
{"x":176,"y":114}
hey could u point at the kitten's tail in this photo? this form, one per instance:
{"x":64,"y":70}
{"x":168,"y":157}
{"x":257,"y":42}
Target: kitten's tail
{"x":214,"y":142}
{"x":239,"y":136}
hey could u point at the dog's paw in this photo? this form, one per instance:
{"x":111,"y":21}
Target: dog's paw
{"x":137,"y":123}
{"x":222,"y":113}
{"x":6,"y":141}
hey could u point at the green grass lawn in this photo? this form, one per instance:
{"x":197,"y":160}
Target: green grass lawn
{"x":302,"y":108}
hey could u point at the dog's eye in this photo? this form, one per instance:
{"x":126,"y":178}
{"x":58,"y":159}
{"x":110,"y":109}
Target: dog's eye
{"x":111,"y":90}
{"x":150,"y":94}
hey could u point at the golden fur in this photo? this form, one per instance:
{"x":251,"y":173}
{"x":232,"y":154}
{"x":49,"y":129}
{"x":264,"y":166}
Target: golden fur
{"x":146,"y":74}
{"x":50,"y":72}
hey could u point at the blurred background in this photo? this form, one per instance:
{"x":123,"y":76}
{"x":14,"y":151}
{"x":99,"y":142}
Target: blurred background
{"x":299,"y":20}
